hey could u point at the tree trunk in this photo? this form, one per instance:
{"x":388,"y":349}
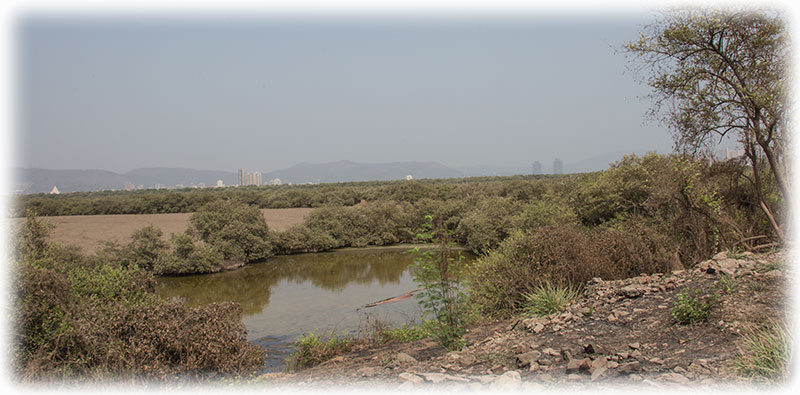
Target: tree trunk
{"x":751,"y":154}
{"x":777,"y":172}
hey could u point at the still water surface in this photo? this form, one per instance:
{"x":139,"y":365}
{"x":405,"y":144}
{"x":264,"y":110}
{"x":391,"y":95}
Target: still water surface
{"x":288,"y":296}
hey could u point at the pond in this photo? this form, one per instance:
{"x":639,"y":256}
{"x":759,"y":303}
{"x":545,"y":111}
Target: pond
{"x":287,"y":296}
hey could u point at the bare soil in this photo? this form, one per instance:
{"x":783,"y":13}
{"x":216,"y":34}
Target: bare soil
{"x":618,"y":333}
{"x":89,"y":231}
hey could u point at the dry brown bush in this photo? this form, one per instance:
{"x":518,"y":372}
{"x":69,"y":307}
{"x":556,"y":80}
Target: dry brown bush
{"x":559,"y":255}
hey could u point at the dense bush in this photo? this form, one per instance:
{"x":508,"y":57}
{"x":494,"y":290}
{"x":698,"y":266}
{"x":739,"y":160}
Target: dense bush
{"x":488,"y":222}
{"x":146,"y":247}
{"x":237,"y":230}
{"x":189,"y":256}
{"x":539,"y":213}
{"x":380,"y":223}
{"x":560,"y":256}
{"x":300,"y":238}
{"x":86,"y":318}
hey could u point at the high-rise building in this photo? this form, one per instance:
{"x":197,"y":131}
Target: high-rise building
{"x":558,"y":166}
{"x":246,"y":178}
{"x":536,"y":168}
{"x":241,"y":177}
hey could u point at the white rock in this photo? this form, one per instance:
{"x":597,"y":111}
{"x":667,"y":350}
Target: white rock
{"x":508,"y":381}
{"x":411,"y":378}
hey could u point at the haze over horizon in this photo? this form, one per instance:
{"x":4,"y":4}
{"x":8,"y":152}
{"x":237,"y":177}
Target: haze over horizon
{"x":265,"y":93}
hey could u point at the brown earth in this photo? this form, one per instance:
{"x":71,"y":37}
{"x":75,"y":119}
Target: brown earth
{"x":89,"y":231}
{"x":619,"y":333}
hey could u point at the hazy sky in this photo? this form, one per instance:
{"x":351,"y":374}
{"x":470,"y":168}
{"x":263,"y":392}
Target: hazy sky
{"x":268,"y":93}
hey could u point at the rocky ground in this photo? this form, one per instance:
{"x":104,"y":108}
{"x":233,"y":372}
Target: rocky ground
{"x":618,"y":333}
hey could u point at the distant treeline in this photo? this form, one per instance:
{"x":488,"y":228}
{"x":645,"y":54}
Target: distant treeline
{"x":152,"y":201}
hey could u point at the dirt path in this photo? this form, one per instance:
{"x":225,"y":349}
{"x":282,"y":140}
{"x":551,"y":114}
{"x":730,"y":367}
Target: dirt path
{"x":619,"y":333}
{"x":88,"y":231}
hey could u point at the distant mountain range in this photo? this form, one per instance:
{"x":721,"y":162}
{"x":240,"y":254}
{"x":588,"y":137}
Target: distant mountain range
{"x":33,"y":180}
{"x":346,"y":170}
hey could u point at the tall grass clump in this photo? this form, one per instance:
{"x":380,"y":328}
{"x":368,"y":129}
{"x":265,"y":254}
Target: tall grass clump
{"x":766,"y":354}
{"x":548,"y":299}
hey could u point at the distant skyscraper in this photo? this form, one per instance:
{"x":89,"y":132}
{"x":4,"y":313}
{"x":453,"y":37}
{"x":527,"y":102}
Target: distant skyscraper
{"x":257,"y":178}
{"x":241,"y":177}
{"x":733,"y":153}
{"x":558,"y":166}
{"x":536,"y":168}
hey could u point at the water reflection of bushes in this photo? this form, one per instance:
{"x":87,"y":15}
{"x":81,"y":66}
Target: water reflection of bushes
{"x":332,"y":271}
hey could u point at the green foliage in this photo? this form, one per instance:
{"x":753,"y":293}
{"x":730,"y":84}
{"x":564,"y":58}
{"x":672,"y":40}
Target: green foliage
{"x":311,"y":350}
{"x":380,"y":223}
{"x":300,"y":238}
{"x":621,"y":190}
{"x":406,"y":333}
{"x":540,"y":213}
{"x":548,"y":299}
{"x":692,"y":307}
{"x":728,"y":283}
{"x":236,"y":230}
{"x":441,"y":276}
{"x":489,"y":222}
{"x":145,"y":248}
{"x":189,"y":256}
{"x":31,"y":239}
{"x":767,"y":353}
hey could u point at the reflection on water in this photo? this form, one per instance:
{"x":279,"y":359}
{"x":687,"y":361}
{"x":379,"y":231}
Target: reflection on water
{"x":287,"y":296}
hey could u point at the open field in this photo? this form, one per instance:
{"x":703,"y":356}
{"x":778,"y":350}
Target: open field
{"x":88,"y":231}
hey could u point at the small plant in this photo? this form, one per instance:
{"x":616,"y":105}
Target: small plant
{"x":757,"y":286}
{"x":770,"y":266}
{"x":440,"y":274}
{"x":691,"y":307}
{"x":548,"y":299}
{"x":767,"y":353}
{"x":311,"y":350}
{"x":728,"y":283}
{"x":405,"y":333}
{"x":738,"y":254}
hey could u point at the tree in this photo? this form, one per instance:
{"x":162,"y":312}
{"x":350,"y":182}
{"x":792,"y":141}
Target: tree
{"x":719,"y":74}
